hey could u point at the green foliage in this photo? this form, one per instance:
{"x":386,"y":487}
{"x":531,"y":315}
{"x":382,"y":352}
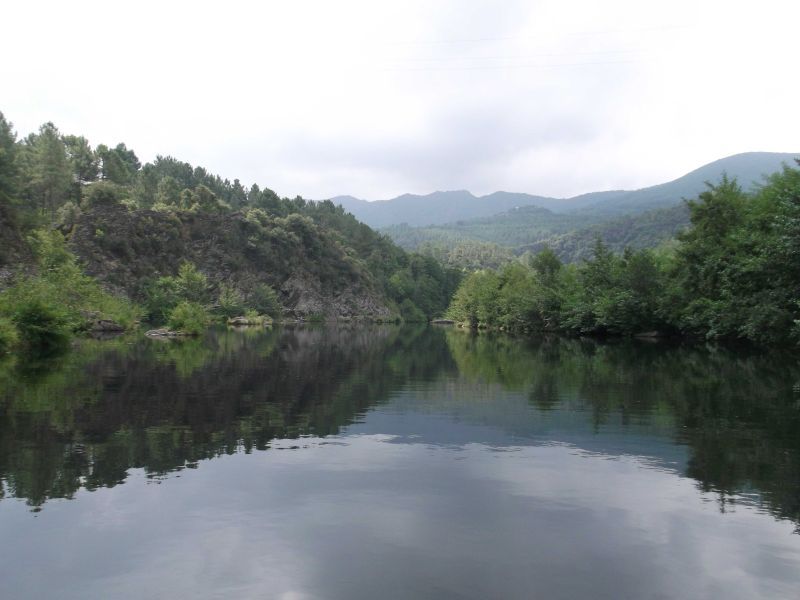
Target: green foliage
{"x":192,"y":284}
{"x":49,"y":307}
{"x":84,"y":162}
{"x":410,"y":313}
{"x":119,"y":164}
{"x":646,"y":230}
{"x":264,"y":301}
{"x":164,"y":294}
{"x":516,"y":227}
{"x":102,"y":194}
{"x":67,"y":216}
{"x":9,"y":335}
{"x":189,"y":317}
{"x":46,"y":170}
{"x":8,"y":166}
{"x":732,"y":275}
{"x":42,"y":325}
{"x":230,"y":302}
{"x":161,"y":296}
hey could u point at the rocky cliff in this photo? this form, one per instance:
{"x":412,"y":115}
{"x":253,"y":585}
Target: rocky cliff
{"x":313,"y":271}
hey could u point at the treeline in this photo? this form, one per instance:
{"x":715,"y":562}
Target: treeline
{"x":642,"y":230}
{"x":50,"y":181}
{"x":733,"y":274}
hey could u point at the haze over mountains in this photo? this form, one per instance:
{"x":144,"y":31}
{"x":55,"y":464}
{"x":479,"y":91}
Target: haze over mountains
{"x":520,"y":221}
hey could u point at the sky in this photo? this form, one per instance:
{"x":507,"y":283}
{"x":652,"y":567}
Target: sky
{"x":375,"y":99}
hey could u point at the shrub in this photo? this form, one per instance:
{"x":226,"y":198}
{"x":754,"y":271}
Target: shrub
{"x":230,"y":302}
{"x":189,"y":317}
{"x":9,"y":336}
{"x":102,"y":193}
{"x":41,"y":326}
{"x":161,"y":296}
{"x":192,"y":284}
{"x":264,"y":300}
{"x":410,"y":312}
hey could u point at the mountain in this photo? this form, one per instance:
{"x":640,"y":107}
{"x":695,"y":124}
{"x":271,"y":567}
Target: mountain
{"x":440,"y":208}
{"x":436,"y":208}
{"x":748,"y":169}
{"x":516,"y":227}
{"x":564,"y":224}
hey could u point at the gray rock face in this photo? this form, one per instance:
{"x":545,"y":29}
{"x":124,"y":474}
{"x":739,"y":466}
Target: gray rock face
{"x":307,"y":298}
{"x":313,"y":275}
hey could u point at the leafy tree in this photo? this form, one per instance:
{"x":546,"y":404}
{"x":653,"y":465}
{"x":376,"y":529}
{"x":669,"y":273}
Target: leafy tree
{"x":230,"y":302}
{"x":264,"y":300}
{"x":192,"y":284}
{"x":189,"y":317}
{"x":547,"y":265}
{"x":168,"y":192}
{"x":103,"y":193}
{"x":8,"y":166}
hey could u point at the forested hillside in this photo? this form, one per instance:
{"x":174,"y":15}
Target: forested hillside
{"x":644,"y":230}
{"x":524,"y":222}
{"x":733,"y":274}
{"x":166,"y":235}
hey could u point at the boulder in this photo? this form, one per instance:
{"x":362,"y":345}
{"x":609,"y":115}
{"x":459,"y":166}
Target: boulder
{"x":163,"y":332}
{"x":239,"y":321}
{"x":105,"y":325}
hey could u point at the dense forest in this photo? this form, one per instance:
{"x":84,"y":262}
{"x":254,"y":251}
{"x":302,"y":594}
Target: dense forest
{"x":733,"y":274}
{"x":89,"y":235}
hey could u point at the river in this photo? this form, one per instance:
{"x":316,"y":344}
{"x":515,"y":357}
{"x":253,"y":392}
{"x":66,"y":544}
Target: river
{"x":360,"y":461}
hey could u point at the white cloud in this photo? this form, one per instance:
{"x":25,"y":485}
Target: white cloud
{"x":376,"y":99}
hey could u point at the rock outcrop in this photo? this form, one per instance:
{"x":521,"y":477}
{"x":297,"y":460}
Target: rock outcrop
{"x":314,"y":275}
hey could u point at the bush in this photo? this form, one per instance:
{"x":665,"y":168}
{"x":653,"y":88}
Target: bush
{"x":192,"y":284}
{"x":47,"y":308}
{"x":189,"y":317}
{"x":41,"y":326}
{"x":103,"y":193}
{"x":264,"y":300}
{"x":230,"y":302}
{"x":410,"y":312}
{"x":161,"y":296}
{"x":9,"y":337}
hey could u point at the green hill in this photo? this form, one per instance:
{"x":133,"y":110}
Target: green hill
{"x":645,"y":230}
{"x":131,"y":227}
{"x":571,"y":225}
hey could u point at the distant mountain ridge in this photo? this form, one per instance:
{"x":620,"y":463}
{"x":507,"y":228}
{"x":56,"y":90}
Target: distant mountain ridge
{"x":439,"y":208}
{"x":435,"y":208}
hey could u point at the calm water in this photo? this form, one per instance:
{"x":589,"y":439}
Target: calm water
{"x":387,"y":462}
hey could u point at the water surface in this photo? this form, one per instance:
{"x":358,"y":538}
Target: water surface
{"x":389,"y":462}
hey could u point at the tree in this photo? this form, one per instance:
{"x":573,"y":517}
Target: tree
{"x":84,"y":162}
{"x":168,"y":192}
{"x":49,"y":174}
{"x":547,"y":265}
{"x":118,"y":164}
{"x":8,"y":167}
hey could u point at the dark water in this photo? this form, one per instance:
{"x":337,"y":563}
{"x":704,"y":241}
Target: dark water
{"x":384,"y":462}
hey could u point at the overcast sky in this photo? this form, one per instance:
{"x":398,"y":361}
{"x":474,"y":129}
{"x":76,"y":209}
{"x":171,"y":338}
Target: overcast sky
{"x":375,"y":98}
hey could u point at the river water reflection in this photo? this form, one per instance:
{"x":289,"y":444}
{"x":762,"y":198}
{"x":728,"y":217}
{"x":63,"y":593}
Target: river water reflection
{"x":399,"y":462}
